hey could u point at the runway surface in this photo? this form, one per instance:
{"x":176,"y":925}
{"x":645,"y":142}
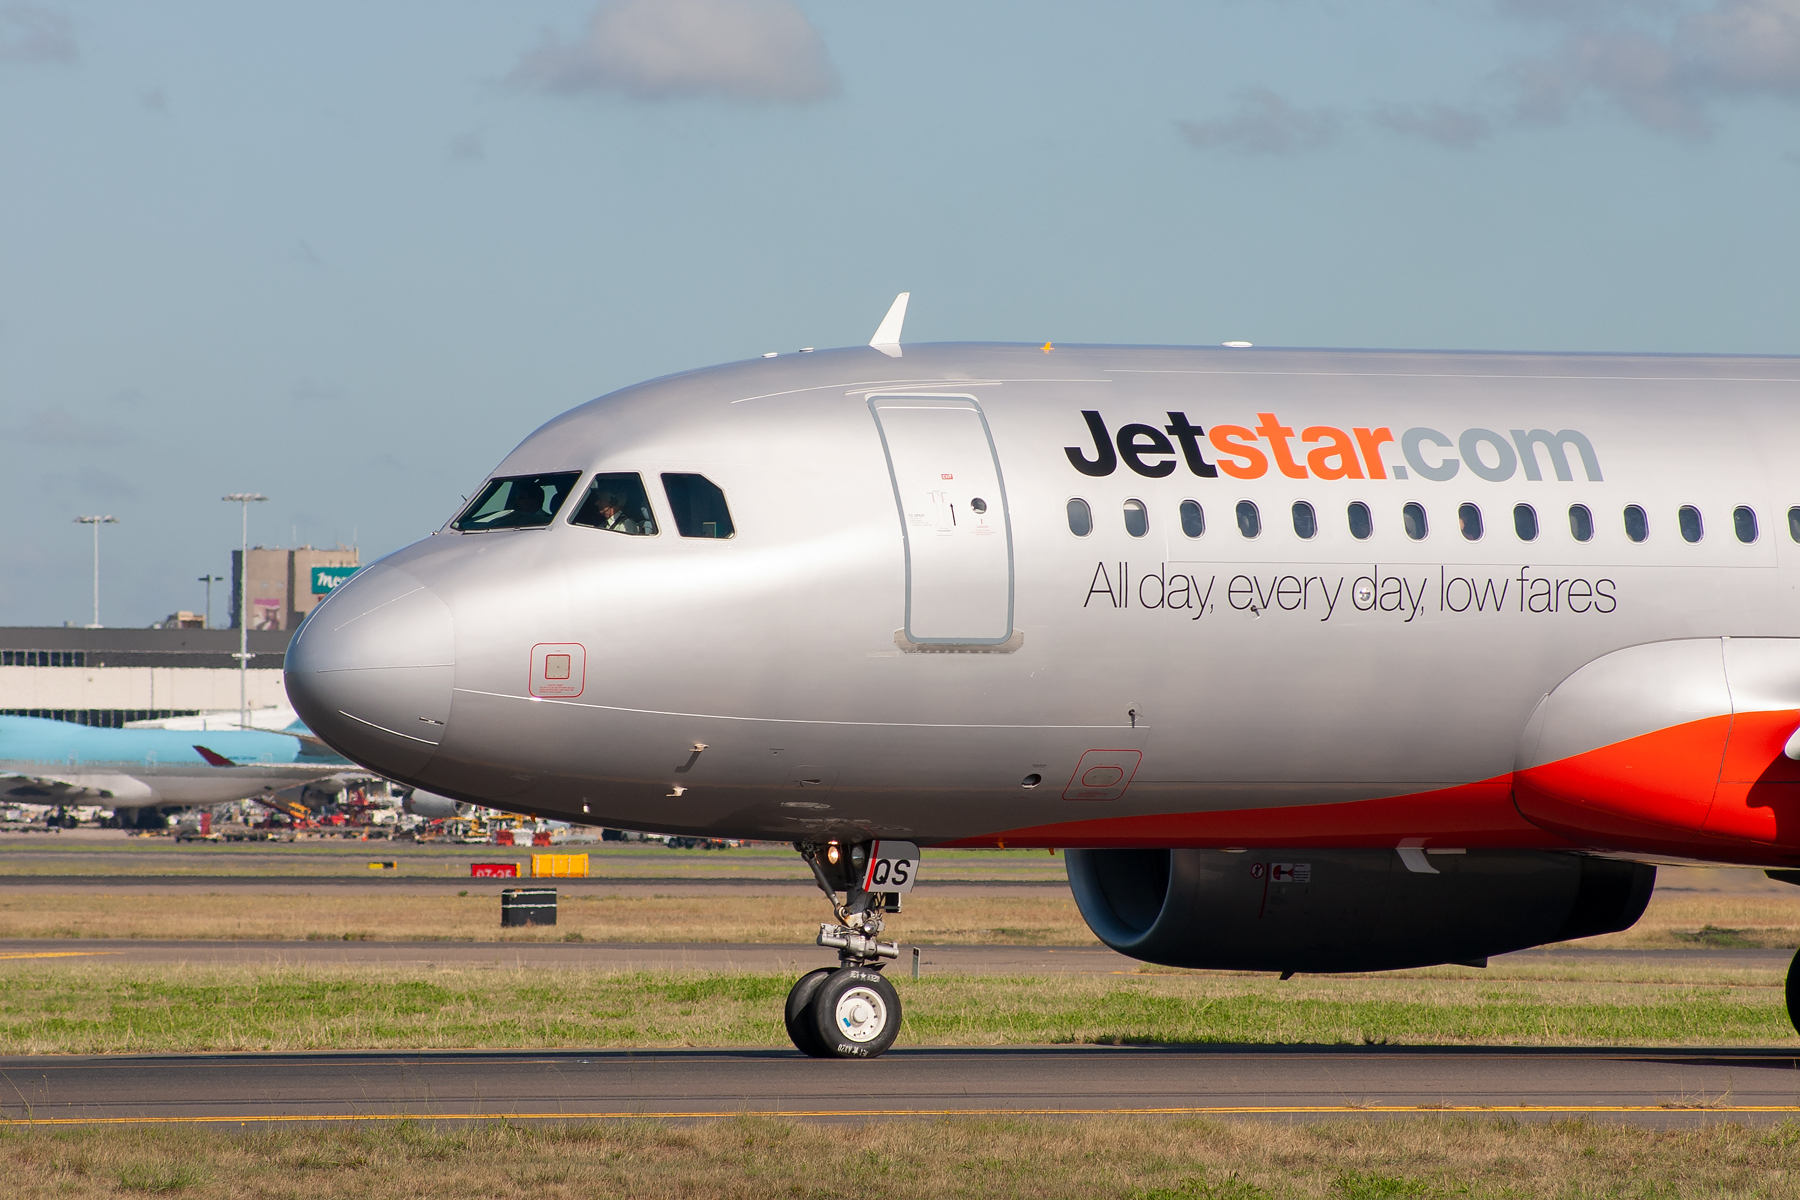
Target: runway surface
{"x":1658,"y":1086}
{"x":722,"y":956}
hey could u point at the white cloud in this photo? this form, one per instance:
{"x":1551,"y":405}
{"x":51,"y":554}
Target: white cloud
{"x":660,"y":49}
{"x":61,"y":428}
{"x":1445,"y":124}
{"x":1667,"y":78}
{"x":1264,"y":123}
{"x":32,"y":34}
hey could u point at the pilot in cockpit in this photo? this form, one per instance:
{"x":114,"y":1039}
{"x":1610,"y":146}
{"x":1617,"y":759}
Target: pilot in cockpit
{"x":525,"y":501}
{"x":612,"y":515}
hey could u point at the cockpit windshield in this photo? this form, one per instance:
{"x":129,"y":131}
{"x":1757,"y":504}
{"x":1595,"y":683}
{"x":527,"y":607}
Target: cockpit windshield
{"x":520,"y":502}
{"x":617,"y":502}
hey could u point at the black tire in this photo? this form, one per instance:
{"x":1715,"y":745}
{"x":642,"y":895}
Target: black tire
{"x":848,"y":1031}
{"x":801,"y":1028}
{"x":1793,"y":992}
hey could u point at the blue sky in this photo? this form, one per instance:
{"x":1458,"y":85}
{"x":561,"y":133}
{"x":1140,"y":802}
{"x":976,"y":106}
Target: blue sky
{"x":349,"y":254}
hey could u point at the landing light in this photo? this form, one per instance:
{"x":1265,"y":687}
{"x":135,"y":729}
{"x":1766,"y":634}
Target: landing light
{"x":832,"y":853}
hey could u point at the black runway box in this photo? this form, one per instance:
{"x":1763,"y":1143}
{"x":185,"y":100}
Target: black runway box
{"x":527,"y":906}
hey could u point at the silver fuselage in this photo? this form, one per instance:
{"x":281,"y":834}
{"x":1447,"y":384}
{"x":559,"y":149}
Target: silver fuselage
{"x":1266,"y":676}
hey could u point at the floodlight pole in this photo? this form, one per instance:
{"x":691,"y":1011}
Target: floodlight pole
{"x":96,"y":522}
{"x":243,"y":654}
{"x":209,"y":580}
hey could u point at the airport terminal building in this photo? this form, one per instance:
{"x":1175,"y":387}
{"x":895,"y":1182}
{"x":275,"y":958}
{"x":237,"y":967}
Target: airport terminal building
{"x":110,"y":676}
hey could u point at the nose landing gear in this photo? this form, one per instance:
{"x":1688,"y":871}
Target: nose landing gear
{"x":851,"y":1011}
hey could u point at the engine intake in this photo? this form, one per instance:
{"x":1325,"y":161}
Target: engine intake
{"x":1321,"y":911}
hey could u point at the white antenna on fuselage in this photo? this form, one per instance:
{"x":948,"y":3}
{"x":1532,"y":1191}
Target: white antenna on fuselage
{"x":887,"y":336}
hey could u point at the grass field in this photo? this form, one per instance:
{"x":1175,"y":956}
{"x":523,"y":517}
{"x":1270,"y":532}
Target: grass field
{"x":1019,"y":917}
{"x":779,"y":915}
{"x":83,"y":1006}
{"x":1157,"y":1159}
{"x":106,"y":852}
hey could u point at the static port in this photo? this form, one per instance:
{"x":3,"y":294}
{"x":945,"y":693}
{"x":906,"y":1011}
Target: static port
{"x":1031,"y":781}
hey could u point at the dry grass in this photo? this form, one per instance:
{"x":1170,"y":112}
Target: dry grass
{"x":1021,"y":917}
{"x":1168,"y":1159}
{"x":1677,"y":919}
{"x":95,"y":852}
{"x":85,"y":1006}
{"x":1018,"y":917}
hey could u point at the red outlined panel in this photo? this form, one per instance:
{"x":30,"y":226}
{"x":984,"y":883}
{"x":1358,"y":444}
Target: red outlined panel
{"x":558,"y":670}
{"x":1103,"y":775}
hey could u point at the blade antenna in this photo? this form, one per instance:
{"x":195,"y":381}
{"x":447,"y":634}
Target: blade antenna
{"x":887,"y":336}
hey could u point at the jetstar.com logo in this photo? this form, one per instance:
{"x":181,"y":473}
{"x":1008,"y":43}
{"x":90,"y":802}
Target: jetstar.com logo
{"x":1326,"y":452}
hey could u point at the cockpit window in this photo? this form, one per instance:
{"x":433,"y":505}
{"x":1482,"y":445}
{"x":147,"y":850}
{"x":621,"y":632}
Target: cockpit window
{"x":519,"y":502}
{"x":698,"y":505}
{"x":617,"y":502}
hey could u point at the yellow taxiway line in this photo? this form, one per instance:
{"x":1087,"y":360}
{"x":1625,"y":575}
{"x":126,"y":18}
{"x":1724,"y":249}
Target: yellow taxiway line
{"x":1217,"y":1111}
{"x":60,"y":954}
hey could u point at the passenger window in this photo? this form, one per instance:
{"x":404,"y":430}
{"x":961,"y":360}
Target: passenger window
{"x":1306,"y":522}
{"x":698,"y":505}
{"x":1794,"y":523}
{"x":1193,"y":518}
{"x":517,"y":502}
{"x":1468,"y":518}
{"x":1081,"y":518}
{"x":1689,"y":520}
{"x":1637,"y":525}
{"x":1743,"y":520}
{"x":1249,"y":520}
{"x":617,"y":502}
{"x":1525,"y":522}
{"x":1412,"y":517}
{"x":1137,"y":518}
{"x":1361,"y":524}
{"x":1581,"y":523}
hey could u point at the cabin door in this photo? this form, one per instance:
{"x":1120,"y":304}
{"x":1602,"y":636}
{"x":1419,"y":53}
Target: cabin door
{"x":953,"y":518}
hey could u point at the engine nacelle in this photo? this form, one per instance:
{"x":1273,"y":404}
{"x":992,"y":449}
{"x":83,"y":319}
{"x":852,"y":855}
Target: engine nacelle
{"x":430,"y":805}
{"x":1320,"y":911}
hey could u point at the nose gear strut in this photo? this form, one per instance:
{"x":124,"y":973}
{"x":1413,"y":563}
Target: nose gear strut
{"x":852,"y":1012}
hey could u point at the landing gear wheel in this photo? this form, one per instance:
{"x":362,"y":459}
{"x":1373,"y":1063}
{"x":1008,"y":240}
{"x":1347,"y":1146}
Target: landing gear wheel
{"x":1793,"y":992}
{"x":855,"y":1013}
{"x":802,"y":1030}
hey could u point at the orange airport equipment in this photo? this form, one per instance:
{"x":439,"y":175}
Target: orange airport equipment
{"x":553,"y":866}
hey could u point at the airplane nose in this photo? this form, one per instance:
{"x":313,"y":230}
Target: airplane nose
{"x":371,"y":671}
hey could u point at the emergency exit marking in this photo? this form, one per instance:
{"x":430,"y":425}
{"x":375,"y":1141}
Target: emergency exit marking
{"x":558,"y":670}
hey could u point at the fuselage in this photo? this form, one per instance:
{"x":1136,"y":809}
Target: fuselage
{"x":54,"y":762}
{"x":868,"y":654}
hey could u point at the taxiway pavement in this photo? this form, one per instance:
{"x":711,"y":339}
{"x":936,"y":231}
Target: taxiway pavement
{"x":1659,"y":1086}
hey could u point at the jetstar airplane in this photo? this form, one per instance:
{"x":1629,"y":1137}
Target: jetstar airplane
{"x":1313,"y":661}
{"x":136,"y":772}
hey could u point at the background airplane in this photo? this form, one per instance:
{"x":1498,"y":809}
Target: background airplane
{"x":136,"y":772}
